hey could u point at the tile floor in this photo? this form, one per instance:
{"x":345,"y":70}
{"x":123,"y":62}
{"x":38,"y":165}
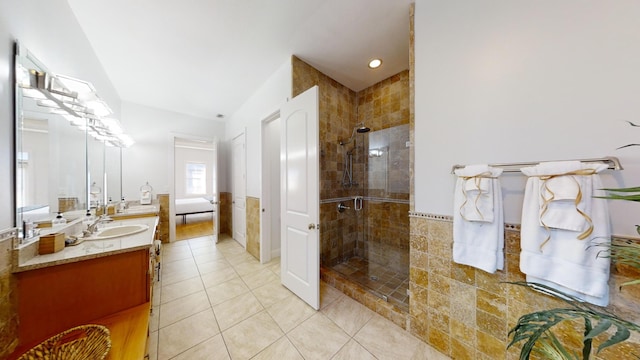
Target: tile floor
{"x":215,"y":301}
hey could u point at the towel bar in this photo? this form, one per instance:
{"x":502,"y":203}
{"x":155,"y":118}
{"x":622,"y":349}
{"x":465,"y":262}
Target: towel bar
{"x":612,"y":161}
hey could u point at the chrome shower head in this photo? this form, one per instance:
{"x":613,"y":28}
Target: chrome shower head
{"x":360,"y":129}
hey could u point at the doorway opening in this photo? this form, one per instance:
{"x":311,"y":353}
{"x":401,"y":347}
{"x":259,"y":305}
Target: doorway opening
{"x":270,"y":222}
{"x":195,"y":188}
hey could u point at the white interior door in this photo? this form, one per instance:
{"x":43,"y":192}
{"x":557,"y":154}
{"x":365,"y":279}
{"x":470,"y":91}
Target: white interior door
{"x":239,"y":184}
{"x":300,"y":247}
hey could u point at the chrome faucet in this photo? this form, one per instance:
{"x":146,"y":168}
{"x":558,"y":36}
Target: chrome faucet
{"x":93,"y":227}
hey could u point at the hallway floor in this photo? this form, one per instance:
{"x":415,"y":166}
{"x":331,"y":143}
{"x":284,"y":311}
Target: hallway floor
{"x":215,"y":301}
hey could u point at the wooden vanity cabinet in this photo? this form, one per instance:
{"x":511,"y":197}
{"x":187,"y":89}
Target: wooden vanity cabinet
{"x":56,"y":298}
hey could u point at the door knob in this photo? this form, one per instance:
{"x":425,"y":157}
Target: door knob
{"x":312,"y":226}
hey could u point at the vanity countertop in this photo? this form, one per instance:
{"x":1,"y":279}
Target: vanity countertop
{"x":91,"y":249}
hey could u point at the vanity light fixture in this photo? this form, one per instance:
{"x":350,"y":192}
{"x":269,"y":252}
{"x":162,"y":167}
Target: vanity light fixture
{"x":77,"y":101}
{"x":375,"y":63}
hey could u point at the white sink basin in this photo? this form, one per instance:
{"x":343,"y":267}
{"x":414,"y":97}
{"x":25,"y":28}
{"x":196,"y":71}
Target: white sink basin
{"x":117,"y":231}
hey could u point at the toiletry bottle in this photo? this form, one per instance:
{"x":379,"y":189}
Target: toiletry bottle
{"x":59,"y":220}
{"x":122,"y":206}
{"x":88,"y":218}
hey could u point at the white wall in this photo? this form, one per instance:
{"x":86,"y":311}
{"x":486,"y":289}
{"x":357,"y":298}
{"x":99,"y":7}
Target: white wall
{"x":50,"y":31}
{"x":510,"y":81}
{"x":153,"y":131}
{"x":264,"y":102}
{"x":182,"y":157}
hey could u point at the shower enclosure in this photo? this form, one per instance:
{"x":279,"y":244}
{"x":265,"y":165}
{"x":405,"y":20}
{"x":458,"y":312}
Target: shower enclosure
{"x":366,"y":239}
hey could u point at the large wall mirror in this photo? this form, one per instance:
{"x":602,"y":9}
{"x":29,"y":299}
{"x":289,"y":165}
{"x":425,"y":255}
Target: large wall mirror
{"x":50,"y":154}
{"x":67,"y":154}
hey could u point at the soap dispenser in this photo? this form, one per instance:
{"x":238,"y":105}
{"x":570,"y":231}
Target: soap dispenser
{"x":122,"y":206}
{"x":59,"y":220}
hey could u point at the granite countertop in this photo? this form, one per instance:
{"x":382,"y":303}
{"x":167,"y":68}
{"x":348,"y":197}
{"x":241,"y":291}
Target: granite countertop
{"x":91,"y":249}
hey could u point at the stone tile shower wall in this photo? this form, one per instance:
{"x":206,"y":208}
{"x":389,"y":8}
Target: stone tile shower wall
{"x":337,"y":118}
{"x":382,"y":106}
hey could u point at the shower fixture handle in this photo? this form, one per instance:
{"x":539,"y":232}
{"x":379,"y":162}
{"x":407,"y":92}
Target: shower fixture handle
{"x":342,"y":207}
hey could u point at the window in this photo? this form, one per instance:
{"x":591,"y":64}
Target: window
{"x":196,"y":178}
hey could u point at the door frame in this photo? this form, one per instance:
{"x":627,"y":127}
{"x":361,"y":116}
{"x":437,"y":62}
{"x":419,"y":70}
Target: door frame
{"x":172,"y":179}
{"x":266,"y":197}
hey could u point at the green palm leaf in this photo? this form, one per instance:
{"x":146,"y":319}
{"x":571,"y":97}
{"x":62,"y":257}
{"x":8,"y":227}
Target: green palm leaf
{"x":534,"y":327}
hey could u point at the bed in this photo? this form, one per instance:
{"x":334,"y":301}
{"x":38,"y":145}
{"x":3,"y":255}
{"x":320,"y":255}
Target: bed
{"x":189,"y":206}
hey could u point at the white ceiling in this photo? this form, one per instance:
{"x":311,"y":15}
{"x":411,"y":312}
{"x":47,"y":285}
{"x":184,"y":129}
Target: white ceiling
{"x":206,"y":57}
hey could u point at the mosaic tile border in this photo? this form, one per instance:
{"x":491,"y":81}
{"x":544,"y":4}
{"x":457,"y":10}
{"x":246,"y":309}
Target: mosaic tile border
{"x":449,"y":218}
{"x":7,"y":234}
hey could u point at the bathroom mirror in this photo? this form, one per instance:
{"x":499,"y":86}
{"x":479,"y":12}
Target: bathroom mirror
{"x":68,"y":153}
{"x":51,"y":171}
{"x":112,"y":167}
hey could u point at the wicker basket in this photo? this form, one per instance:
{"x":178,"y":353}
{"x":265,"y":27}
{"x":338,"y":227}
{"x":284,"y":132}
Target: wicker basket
{"x":78,"y":343}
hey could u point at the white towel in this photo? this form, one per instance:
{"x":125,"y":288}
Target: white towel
{"x":478,"y":221}
{"x":553,"y":254}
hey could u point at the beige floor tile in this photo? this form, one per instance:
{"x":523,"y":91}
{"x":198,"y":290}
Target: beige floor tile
{"x":271,"y":293}
{"x":218,"y":277}
{"x":186,"y":333}
{"x":225,"y":291}
{"x":426,"y":352}
{"x":169,"y":278}
{"x":328,"y":295}
{"x":212,"y":349}
{"x":237,"y":309}
{"x":180,"y":289}
{"x":281,"y":349}
{"x":211,"y":266}
{"x":201,"y":242}
{"x":154,"y":319}
{"x":251,"y":336}
{"x":385,"y":340}
{"x":157,"y":292}
{"x":248,"y":267}
{"x":235,"y":259}
{"x":349,"y":314}
{"x":204,"y":257}
{"x":153,"y":345}
{"x":290,"y":312}
{"x":353,"y":351}
{"x":274,"y":265}
{"x":259,"y":278}
{"x":318,"y":337}
{"x":173,"y":266}
{"x":176,"y":255}
{"x":181,"y":308}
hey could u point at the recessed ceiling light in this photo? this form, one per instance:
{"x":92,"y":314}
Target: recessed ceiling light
{"x":375,"y":63}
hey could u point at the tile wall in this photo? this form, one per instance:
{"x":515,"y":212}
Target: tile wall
{"x":337,"y":118}
{"x":163,"y":223}
{"x":8,"y":311}
{"x":226,"y":225}
{"x":382,"y":106}
{"x":467,"y":313}
{"x":253,"y":226}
